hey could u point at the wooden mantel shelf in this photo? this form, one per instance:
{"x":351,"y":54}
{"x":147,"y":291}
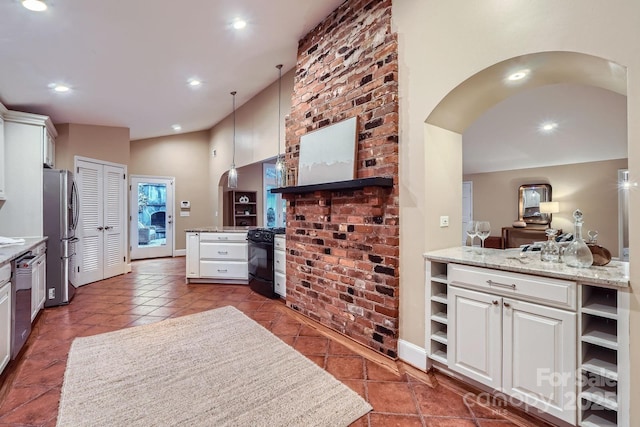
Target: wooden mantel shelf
{"x":352,"y":184}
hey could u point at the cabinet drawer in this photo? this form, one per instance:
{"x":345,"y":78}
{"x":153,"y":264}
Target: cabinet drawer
{"x":545,"y":290}
{"x":40,"y":249}
{"x":5,"y":273}
{"x":223,"y":237}
{"x":280,"y":284}
{"x":224,"y":269}
{"x":280,"y":261}
{"x":222,"y":251}
{"x":280,"y":243}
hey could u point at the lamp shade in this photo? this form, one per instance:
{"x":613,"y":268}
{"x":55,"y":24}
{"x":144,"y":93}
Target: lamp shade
{"x":549,"y":207}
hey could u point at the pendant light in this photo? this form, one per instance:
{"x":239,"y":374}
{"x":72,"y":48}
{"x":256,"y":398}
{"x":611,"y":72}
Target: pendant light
{"x":281,"y":166}
{"x":233,"y":172}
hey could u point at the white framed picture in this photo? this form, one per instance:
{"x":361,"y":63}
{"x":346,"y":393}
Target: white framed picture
{"x":328,"y":154}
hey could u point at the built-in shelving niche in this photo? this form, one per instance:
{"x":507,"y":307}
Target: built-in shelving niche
{"x":438,"y":320}
{"x":599,"y":357}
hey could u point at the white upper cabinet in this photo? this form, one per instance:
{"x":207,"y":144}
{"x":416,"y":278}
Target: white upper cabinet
{"x":23,"y":140}
{"x":2,"y":167}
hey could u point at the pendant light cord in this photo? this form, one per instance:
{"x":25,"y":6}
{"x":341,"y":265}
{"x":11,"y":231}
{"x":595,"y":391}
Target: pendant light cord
{"x":279,"y":67}
{"x":234,"y":129}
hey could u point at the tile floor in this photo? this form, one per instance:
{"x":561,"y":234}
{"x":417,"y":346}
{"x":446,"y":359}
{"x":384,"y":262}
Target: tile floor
{"x":156,"y":290}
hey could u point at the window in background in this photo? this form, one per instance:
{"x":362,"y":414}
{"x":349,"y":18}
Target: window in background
{"x":274,"y":206}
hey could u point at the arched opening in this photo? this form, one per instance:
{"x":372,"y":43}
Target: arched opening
{"x":446,"y":126}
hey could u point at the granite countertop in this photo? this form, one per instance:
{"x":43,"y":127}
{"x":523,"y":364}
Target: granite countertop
{"x":212,"y":229}
{"x":616,"y":273}
{"x":11,"y":252}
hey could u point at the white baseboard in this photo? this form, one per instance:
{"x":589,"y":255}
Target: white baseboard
{"x":180,"y":252}
{"x":412,"y":354}
{"x":127,"y":268}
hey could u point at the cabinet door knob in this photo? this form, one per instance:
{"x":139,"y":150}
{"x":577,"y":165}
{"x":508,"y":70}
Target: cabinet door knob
{"x":495,"y":302}
{"x":506,"y":304}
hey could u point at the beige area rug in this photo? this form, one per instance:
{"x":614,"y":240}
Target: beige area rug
{"x":216,"y":368}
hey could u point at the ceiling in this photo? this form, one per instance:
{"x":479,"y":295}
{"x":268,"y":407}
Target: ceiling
{"x":128,"y":62}
{"x":591,"y":126}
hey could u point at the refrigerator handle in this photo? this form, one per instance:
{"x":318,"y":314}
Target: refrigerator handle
{"x":75,"y":205}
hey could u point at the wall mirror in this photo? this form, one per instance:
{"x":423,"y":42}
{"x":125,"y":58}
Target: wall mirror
{"x":529,"y":198}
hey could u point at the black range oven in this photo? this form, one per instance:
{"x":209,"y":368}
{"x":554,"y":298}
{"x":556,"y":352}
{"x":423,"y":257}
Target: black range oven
{"x":261,"y":251}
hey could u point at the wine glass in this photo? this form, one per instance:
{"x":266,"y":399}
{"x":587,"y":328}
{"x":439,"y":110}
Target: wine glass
{"x":472,"y":230}
{"x":483,"y":228}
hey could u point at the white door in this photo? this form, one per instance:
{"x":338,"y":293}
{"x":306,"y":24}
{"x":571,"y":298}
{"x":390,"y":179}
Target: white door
{"x":540,"y":357}
{"x":475,"y":335}
{"x":100,"y":249}
{"x":467,"y":208}
{"x":152,"y":213}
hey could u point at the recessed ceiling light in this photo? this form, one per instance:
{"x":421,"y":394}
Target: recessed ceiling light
{"x":35,"y":5}
{"x":548,"y":127}
{"x":239,"y":24}
{"x":60,"y":88}
{"x":194,"y":82}
{"x":518,"y":75}
{"x":176,"y":128}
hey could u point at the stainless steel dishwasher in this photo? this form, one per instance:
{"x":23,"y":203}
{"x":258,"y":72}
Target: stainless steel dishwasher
{"x":21,"y":302}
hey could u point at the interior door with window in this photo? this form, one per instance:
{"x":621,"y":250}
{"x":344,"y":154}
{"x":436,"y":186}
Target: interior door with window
{"x":151,"y":217}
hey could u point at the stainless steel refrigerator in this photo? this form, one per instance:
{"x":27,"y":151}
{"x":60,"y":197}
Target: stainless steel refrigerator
{"x":61,"y":212}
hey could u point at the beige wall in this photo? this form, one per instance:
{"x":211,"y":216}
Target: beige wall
{"x":439,"y":49}
{"x":110,"y":144}
{"x":592,"y":187}
{"x":256,"y":135}
{"x":186,"y":158}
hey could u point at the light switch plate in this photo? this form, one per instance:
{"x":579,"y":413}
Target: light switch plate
{"x":444,"y":221}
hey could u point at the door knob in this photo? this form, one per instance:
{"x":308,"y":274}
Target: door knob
{"x":100,"y":228}
{"x":108,"y":227}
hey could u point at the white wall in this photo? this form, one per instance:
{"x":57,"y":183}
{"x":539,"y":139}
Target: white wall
{"x":441,"y":44}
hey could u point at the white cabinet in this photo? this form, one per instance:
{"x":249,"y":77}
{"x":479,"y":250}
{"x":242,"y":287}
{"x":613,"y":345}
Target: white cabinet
{"x":5,"y":315}
{"x":526,"y":350}
{"x":217,"y":257}
{"x":193,"y":255}
{"x":38,"y":280}
{"x":25,"y":136}
{"x":604,"y":356}
{"x":280,"y":265}
{"x":49,"y":150}
{"x":2,"y":167}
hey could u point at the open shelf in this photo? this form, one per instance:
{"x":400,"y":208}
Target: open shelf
{"x":440,"y":317}
{"x":600,"y":302}
{"x":600,"y":331}
{"x":601,"y":361}
{"x":601,"y":418}
{"x":603,"y":396}
{"x":440,"y":336}
{"x":440,"y":278}
{"x":441,"y":298}
{"x":352,"y":184}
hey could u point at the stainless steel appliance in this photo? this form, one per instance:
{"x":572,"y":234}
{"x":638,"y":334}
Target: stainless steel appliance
{"x":261,"y":251}
{"x":21,"y":303}
{"x":61,"y":212}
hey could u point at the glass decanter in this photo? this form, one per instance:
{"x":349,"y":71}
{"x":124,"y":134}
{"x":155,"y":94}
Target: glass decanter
{"x":550,"y":251}
{"x":578,"y":253}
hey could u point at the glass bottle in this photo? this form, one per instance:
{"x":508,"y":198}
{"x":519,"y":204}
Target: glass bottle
{"x":577,"y":253}
{"x":550,"y":250}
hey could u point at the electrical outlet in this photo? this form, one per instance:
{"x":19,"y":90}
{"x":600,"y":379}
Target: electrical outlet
{"x":444,"y":221}
{"x":52,"y":293}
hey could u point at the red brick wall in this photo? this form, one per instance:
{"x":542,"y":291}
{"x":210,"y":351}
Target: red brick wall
{"x":343,"y":247}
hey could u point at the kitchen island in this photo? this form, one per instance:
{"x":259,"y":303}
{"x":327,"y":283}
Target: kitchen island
{"x":545,"y":334}
{"x":217,"y":255}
